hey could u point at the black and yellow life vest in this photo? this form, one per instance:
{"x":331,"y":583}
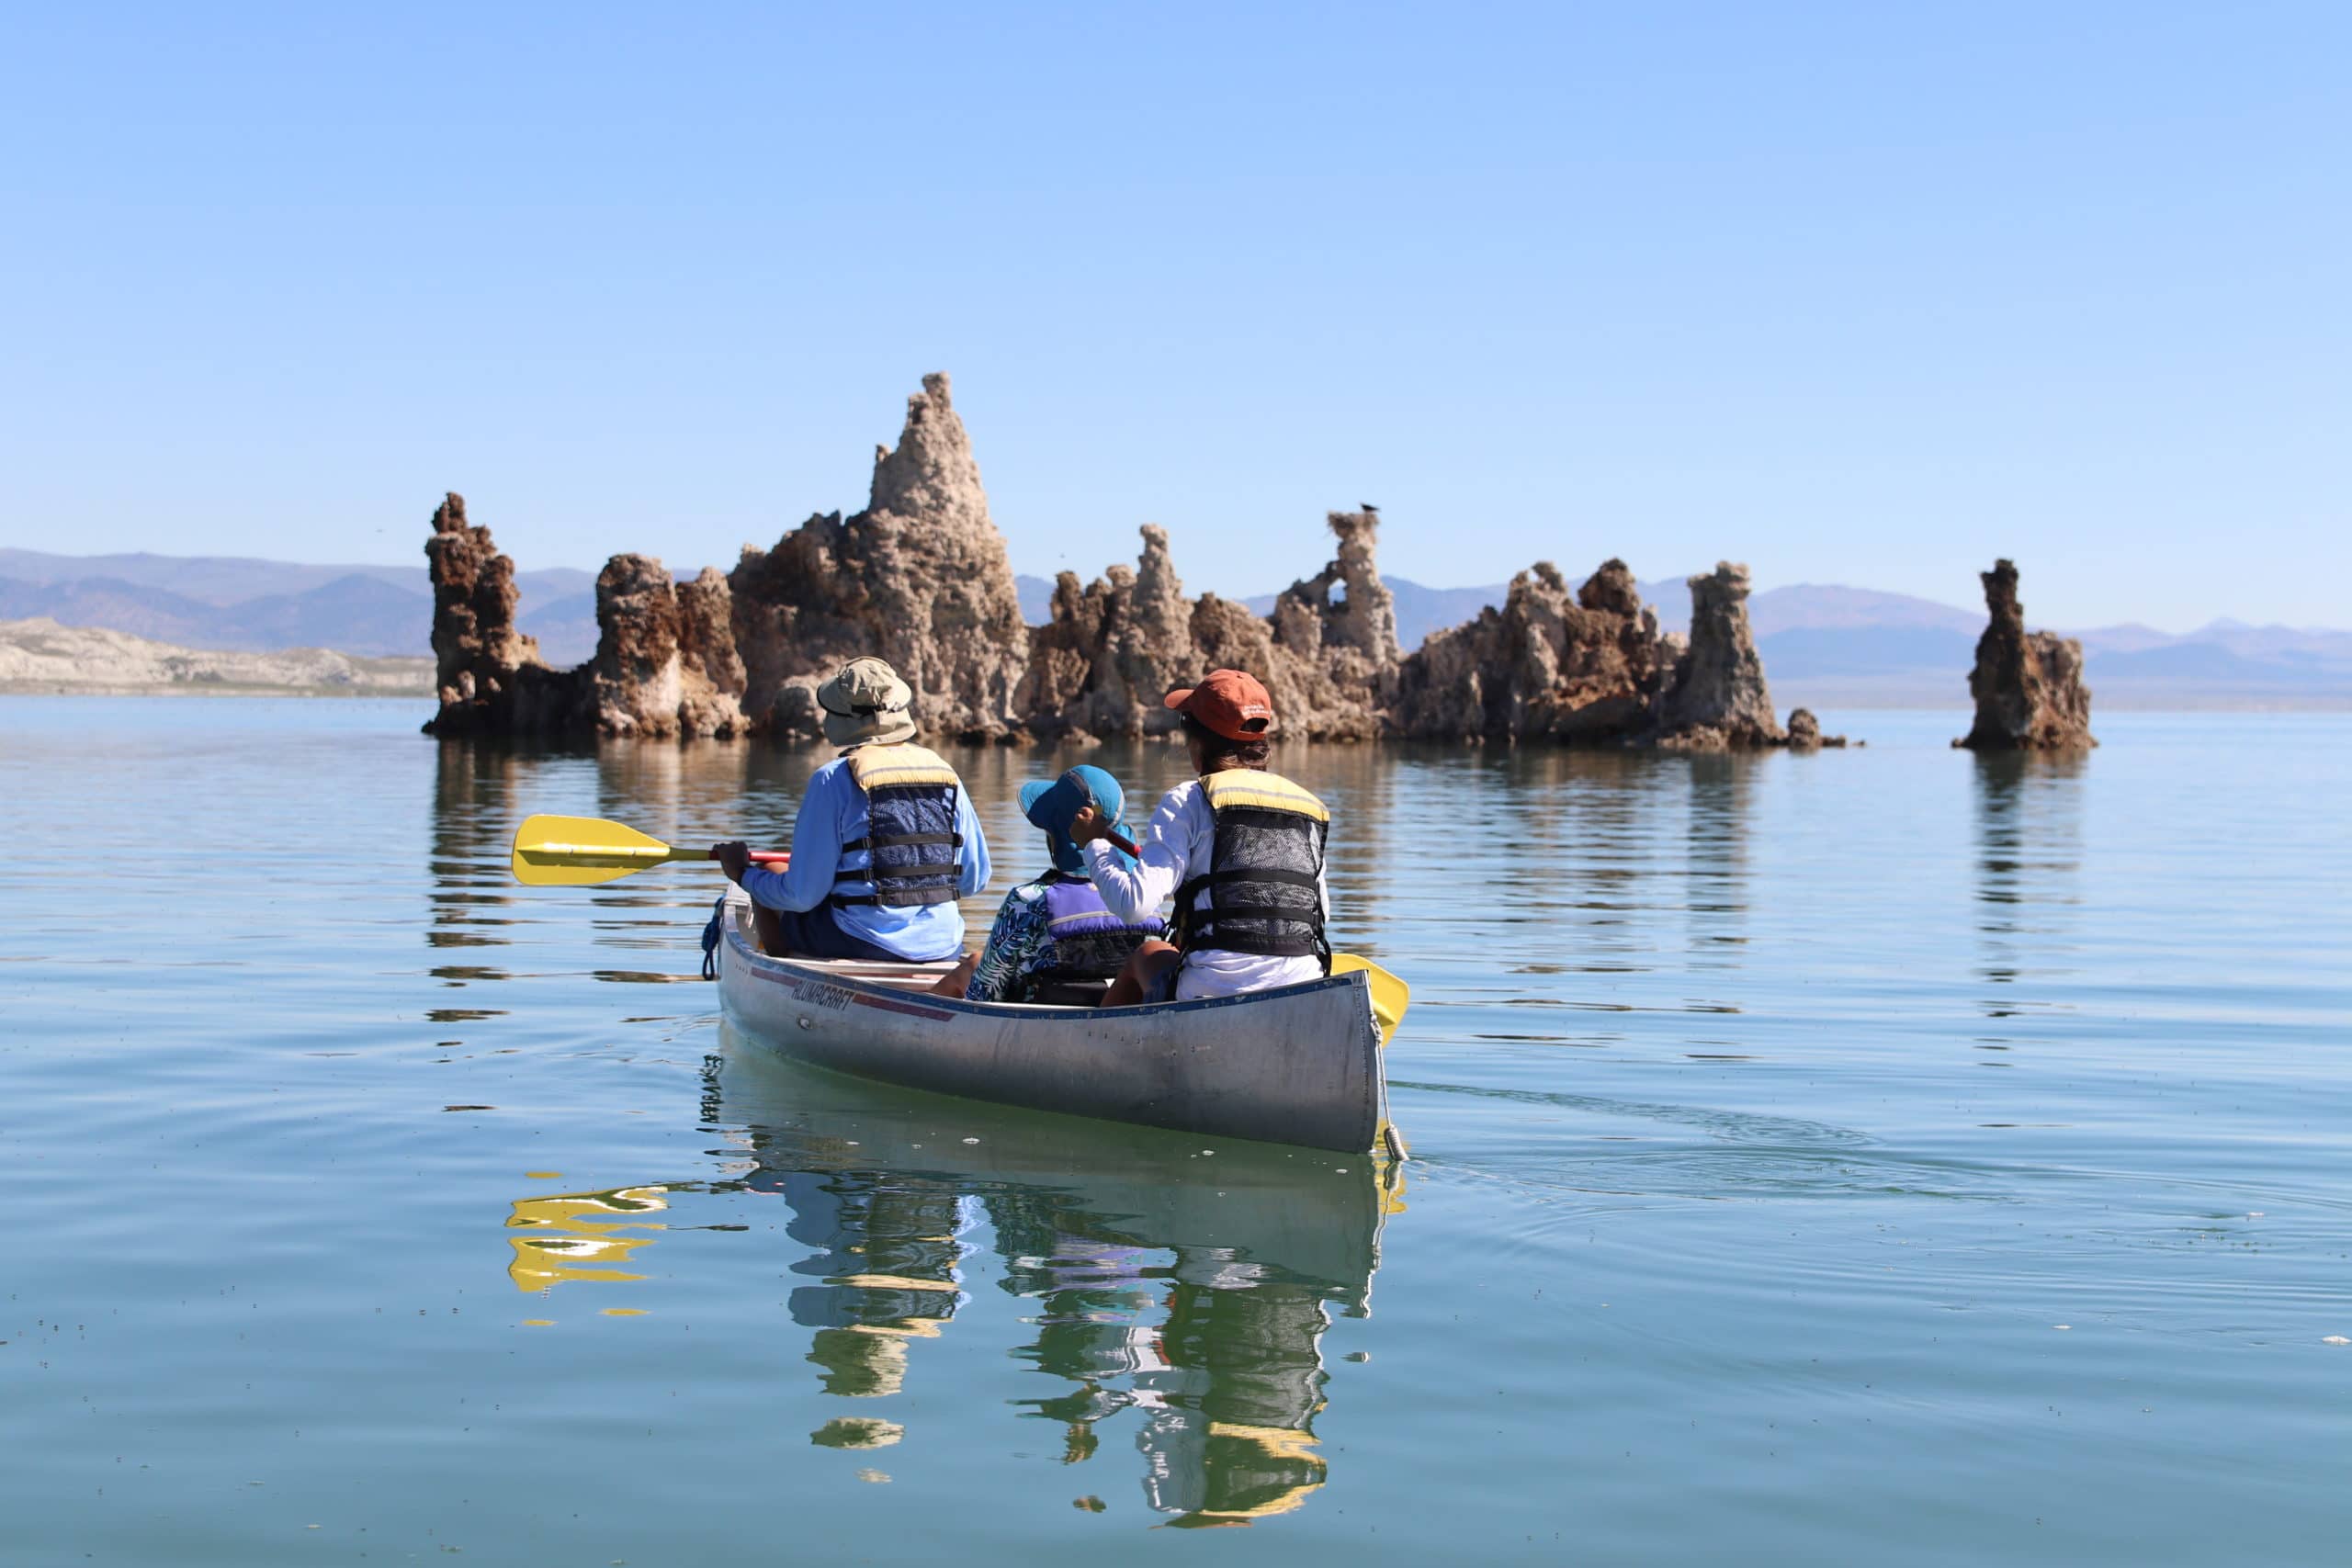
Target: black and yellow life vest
{"x":910,"y":800}
{"x":1264,"y":881}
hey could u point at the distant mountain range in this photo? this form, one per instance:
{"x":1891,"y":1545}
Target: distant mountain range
{"x":1823,"y":645}
{"x":40,"y":656}
{"x":242,"y":603}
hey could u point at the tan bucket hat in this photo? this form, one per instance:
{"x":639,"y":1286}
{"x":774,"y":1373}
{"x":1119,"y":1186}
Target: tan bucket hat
{"x":865,"y":702}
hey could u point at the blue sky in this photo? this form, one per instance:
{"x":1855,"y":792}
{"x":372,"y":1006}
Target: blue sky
{"x":1864,"y":294}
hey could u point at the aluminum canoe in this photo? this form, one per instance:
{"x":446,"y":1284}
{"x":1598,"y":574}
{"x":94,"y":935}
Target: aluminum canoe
{"x":1296,"y":1065}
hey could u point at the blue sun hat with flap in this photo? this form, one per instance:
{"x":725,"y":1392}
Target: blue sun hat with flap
{"x":1054,"y":805}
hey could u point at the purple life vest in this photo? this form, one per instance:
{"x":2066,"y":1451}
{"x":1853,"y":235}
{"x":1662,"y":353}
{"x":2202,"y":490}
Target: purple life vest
{"x":1084,"y":941}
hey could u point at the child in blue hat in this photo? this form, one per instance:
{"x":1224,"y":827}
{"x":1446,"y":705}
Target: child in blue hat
{"x":1057,"y":927}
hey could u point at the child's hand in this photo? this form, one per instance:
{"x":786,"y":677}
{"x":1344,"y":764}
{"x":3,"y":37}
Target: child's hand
{"x":1088,"y":825}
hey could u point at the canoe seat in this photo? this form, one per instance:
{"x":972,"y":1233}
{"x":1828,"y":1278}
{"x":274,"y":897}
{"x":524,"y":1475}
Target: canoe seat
{"x":1071,"y":993}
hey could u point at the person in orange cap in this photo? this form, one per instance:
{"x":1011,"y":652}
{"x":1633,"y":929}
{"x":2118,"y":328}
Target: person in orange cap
{"x":1240,"y":848}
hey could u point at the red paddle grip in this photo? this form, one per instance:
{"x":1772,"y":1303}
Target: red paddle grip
{"x":777,"y":858}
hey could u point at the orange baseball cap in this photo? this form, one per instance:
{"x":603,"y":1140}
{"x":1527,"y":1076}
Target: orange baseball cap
{"x":1228,"y":702}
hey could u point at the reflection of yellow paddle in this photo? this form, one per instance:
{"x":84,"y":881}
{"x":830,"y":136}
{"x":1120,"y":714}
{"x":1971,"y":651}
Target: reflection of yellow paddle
{"x":577,"y":851}
{"x":1390,"y":996}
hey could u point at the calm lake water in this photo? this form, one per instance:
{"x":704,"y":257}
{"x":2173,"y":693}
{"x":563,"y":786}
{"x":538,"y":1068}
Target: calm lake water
{"x":1885,"y":1155}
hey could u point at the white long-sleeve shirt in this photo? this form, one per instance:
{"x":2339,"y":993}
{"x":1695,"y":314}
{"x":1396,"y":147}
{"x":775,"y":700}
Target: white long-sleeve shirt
{"x":1179,"y":843}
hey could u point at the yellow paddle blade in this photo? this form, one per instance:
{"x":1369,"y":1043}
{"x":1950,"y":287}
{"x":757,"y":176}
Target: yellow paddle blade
{"x":576,"y":852}
{"x":1390,"y":996}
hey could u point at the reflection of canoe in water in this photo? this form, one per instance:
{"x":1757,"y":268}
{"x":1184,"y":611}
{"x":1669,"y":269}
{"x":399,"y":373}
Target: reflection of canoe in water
{"x":1296,"y":1065}
{"x":1170,"y":1287}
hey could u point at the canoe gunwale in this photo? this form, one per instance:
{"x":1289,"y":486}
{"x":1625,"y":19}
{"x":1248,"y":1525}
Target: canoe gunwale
{"x":856,"y":973}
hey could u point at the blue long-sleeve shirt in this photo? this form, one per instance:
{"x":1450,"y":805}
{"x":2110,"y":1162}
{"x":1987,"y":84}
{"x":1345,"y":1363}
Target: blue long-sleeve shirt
{"x":833,"y":813}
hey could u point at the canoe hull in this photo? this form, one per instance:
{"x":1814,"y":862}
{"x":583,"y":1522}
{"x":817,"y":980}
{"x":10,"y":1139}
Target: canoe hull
{"x":1298,"y":1064}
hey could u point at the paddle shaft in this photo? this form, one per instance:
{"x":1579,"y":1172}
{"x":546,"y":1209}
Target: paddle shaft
{"x":781,"y":858}
{"x":647,"y":854}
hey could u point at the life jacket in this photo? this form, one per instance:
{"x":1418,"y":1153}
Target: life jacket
{"x":1263,"y":881}
{"x":1084,"y":941}
{"x":910,"y":837}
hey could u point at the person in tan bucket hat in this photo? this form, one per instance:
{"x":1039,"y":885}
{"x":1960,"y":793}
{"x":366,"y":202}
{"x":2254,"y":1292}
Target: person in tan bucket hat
{"x":867,"y":704}
{"x":885,"y":843}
